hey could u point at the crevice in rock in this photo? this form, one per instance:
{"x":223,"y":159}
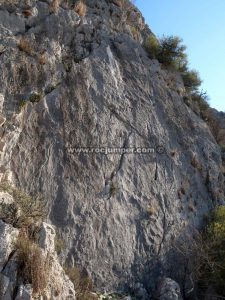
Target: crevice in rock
{"x":8,"y":260}
{"x":121,"y":160}
{"x":156,"y":170}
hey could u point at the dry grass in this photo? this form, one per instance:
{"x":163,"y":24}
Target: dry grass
{"x":82,"y":283}
{"x":135,"y":33}
{"x":113,"y":189}
{"x":196,"y":164}
{"x":59,"y":245}
{"x":33,"y":267}
{"x":42,"y":59}
{"x":27,"y":13}
{"x":152,"y":210}
{"x":25,"y":46}
{"x":24,"y":211}
{"x":81,"y":8}
{"x":54,"y":6}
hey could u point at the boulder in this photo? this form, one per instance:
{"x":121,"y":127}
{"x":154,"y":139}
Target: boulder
{"x":168,"y":289}
{"x":8,"y":234}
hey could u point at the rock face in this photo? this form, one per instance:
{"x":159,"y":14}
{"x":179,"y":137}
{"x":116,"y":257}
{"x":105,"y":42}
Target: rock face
{"x":69,"y":82}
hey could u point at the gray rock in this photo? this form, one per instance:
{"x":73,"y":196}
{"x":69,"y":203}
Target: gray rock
{"x":8,"y":235}
{"x":140,"y":292}
{"x":47,"y":238}
{"x":4,"y":283}
{"x":169,"y":289}
{"x":11,"y":24}
{"x":24,"y":293}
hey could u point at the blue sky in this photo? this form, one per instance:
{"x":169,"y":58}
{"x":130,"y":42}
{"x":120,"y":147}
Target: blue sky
{"x":201,"y":25}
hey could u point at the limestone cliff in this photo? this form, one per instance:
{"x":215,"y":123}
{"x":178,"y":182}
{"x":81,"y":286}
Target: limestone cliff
{"x":70,"y":81}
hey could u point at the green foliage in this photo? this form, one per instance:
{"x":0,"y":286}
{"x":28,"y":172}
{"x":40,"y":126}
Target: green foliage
{"x":22,"y":104}
{"x":214,"y":239}
{"x":111,"y":297}
{"x":152,"y":46}
{"x":222,"y":147}
{"x":113,"y":189}
{"x":172,"y":53}
{"x":200,"y":99}
{"x":34,"y":98}
{"x":191,"y":80}
{"x":134,"y":32}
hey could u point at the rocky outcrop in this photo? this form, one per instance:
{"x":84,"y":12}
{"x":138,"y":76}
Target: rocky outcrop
{"x":58,"y":287}
{"x":72,"y":84}
{"x":168,"y":290}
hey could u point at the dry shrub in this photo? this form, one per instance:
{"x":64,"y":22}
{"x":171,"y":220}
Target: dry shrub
{"x":25,"y":46}
{"x":125,"y":4}
{"x":54,"y":6}
{"x":151,"y":210}
{"x":82,"y":283}
{"x":42,"y":59}
{"x":80,"y":8}
{"x":59,"y":245}
{"x":24,"y":211}
{"x":196,"y":164}
{"x":201,"y":257}
{"x":117,"y":2}
{"x":33,"y":267}
{"x":135,"y":33}
{"x":27,"y":13}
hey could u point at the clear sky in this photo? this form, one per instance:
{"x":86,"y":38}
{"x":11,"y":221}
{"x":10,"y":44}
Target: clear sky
{"x":201,"y":25}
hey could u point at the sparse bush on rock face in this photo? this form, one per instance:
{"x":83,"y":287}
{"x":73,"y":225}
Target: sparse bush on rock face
{"x":32,"y":267}
{"x":152,"y":46}
{"x":82,"y":283}
{"x":214,"y":239}
{"x":169,"y":50}
{"x":191,"y":80}
{"x":25,"y":46}
{"x":172,"y":53}
{"x":81,"y":8}
{"x":54,"y":6}
{"x":24,"y":211}
{"x":202,"y":256}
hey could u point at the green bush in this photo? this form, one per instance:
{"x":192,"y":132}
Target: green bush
{"x":222,"y":147}
{"x":214,"y":264}
{"x":172,"y":53}
{"x":169,"y":50}
{"x":191,"y":80}
{"x":34,"y":98}
{"x":152,"y":46}
{"x":22,"y":104}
